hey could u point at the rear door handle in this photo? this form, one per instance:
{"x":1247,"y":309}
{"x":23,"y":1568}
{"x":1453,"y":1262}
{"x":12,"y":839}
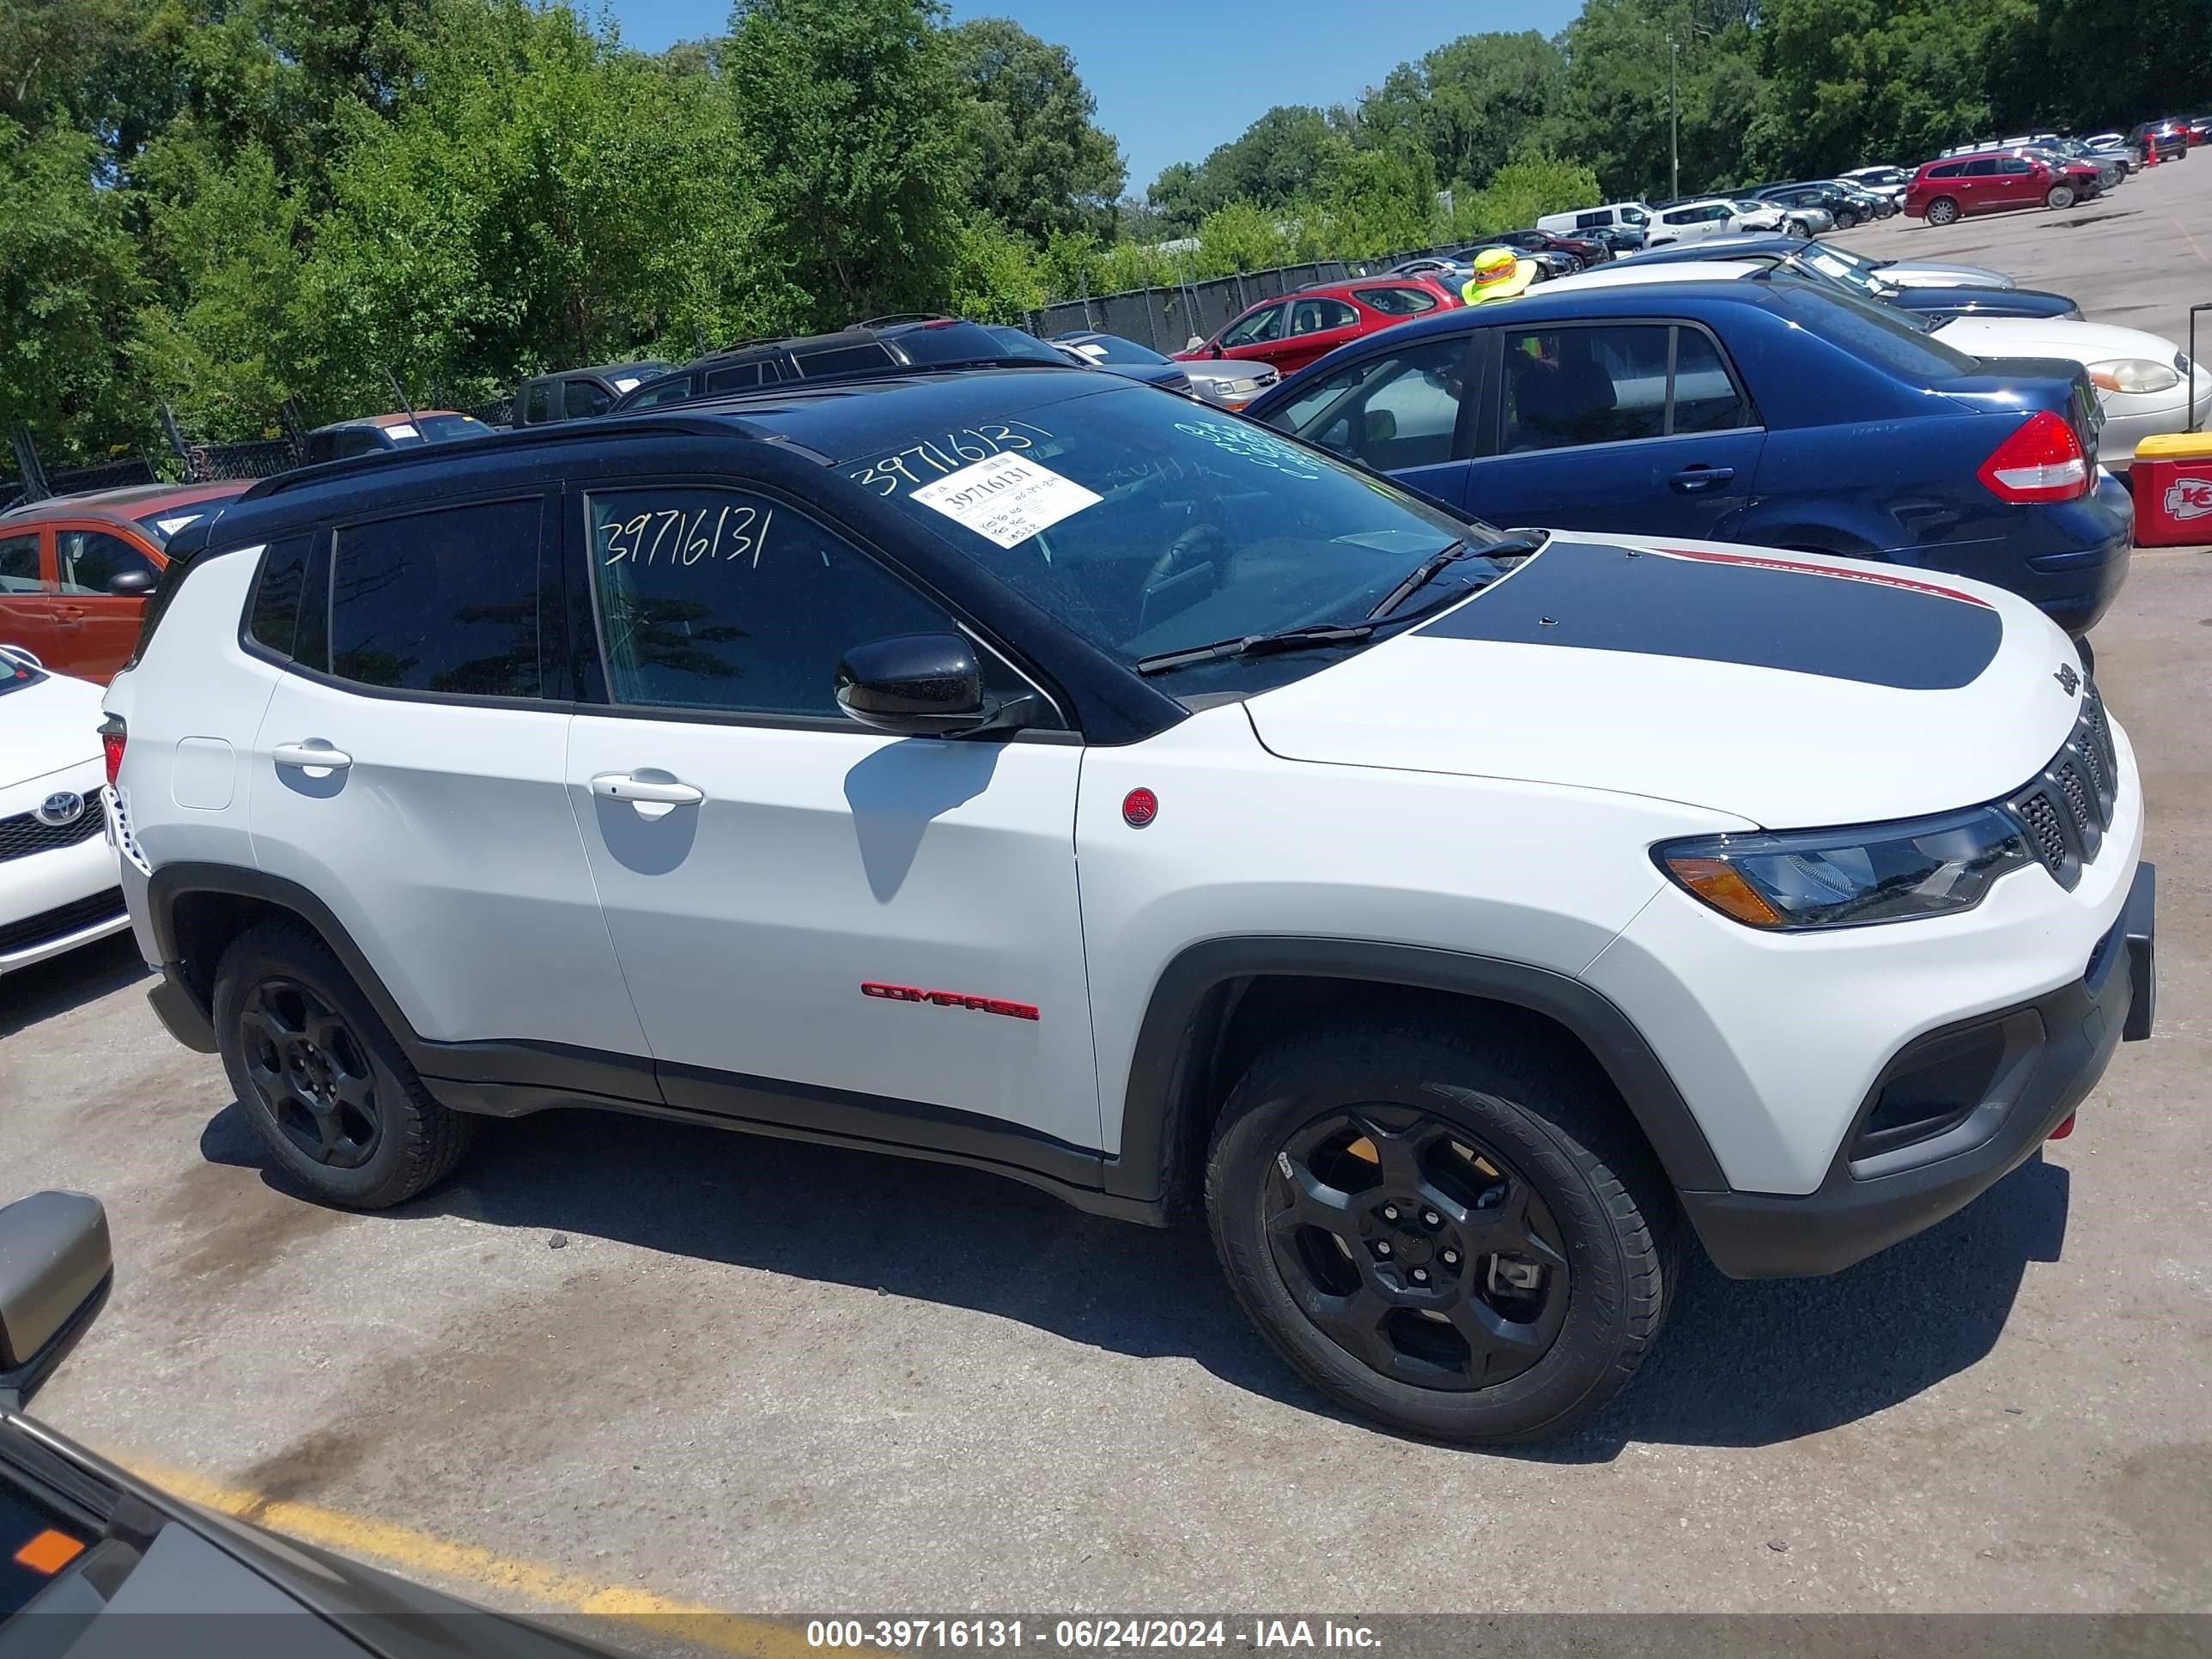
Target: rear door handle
{"x":312,"y":753}
{"x":622,"y":785}
{"x":1692,"y":479}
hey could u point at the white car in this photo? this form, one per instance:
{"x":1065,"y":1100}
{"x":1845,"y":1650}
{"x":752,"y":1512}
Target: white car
{"x":2145,"y":383}
{"x":1038,"y":773}
{"x":1713,"y":215}
{"x":1885,"y":180}
{"x":57,"y":869}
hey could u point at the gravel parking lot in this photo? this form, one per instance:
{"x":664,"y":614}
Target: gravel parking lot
{"x":765,"y":1377}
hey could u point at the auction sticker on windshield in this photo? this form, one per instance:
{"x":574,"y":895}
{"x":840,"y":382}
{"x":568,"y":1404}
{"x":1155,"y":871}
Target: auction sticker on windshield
{"x":1008,"y":498}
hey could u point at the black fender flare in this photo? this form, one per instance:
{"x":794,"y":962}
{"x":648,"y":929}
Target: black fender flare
{"x":1153,"y":1129}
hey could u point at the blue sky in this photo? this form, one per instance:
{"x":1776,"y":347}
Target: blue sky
{"x":1176,"y":78}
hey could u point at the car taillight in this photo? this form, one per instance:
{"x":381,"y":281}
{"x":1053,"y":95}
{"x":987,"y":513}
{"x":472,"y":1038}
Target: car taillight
{"x":2041,"y":460}
{"x":111,"y":739}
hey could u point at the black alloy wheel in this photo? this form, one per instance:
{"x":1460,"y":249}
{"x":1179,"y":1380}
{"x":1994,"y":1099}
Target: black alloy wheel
{"x":1416,"y":1249}
{"x":311,"y":1073}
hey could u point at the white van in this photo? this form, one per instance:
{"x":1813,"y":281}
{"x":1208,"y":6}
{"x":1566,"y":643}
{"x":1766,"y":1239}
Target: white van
{"x":1634,"y":216}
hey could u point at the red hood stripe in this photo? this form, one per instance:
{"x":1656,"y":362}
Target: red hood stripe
{"x":1881,"y":578}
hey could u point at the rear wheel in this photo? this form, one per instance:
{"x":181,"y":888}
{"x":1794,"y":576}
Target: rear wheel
{"x":321,"y":1079}
{"x":1453,"y":1242}
{"x":1943,"y":211}
{"x":2059,"y":196}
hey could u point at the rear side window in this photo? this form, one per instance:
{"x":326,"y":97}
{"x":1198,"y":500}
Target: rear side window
{"x":539,"y":405}
{"x":867,"y":359}
{"x":1399,"y":302}
{"x":273,"y":618}
{"x":1950,"y":171}
{"x":741,"y":377}
{"x":441,"y":602}
{"x":19,"y":564}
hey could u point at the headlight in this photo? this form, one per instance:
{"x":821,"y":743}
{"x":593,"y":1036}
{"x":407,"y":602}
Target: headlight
{"x":2133,"y":374}
{"x":1850,"y":878}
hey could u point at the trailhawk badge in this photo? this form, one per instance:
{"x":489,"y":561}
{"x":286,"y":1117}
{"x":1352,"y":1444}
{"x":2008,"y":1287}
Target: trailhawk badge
{"x":2068,"y":681}
{"x":62,"y":806}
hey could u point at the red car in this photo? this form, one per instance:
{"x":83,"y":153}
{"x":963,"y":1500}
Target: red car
{"x":75,"y":571}
{"x":1298,"y":328}
{"x":1944,"y":191}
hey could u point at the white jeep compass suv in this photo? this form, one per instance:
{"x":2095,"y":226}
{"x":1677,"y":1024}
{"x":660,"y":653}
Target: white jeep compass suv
{"x":1024,"y":768}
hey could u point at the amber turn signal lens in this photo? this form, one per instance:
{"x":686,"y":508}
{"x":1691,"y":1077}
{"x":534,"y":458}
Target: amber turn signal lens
{"x":1716,"y":881}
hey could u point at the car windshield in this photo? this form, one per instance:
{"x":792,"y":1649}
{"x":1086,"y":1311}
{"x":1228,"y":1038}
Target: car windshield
{"x":1113,"y":349}
{"x":165,"y":522}
{"x":15,"y":673}
{"x":1822,"y":261}
{"x":1892,"y":338}
{"x":444,"y":428}
{"x":1016,"y":343}
{"x":1151,"y":526}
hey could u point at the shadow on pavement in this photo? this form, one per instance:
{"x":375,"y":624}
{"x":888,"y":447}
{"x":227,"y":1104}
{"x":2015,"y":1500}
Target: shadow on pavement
{"x":1740,"y":1364}
{"x":86,"y":974}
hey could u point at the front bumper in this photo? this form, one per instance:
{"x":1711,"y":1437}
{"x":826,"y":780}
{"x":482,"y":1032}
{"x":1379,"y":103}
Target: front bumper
{"x":2045,"y":1056}
{"x":55,"y":901}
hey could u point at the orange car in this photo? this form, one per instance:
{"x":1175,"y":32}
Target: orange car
{"x":75,"y":570}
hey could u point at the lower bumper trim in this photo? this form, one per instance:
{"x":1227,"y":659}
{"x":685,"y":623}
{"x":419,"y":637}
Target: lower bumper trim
{"x":179,"y":1012}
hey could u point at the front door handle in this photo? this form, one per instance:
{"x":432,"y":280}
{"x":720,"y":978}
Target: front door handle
{"x":1692,"y":479}
{"x":312,"y":753}
{"x":622,"y":785}
{"x":69,"y":613}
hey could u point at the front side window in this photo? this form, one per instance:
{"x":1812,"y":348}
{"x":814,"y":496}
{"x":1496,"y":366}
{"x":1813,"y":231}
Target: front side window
{"x":19,"y":564}
{"x":1149,"y":525}
{"x":581,"y":400}
{"x":1390,"y":412}
{"x":1254,"y":328}
{"x":712,"y":597}
{"x":89,"y":560}
{"x":655,"y":397}
{"x":1584,"y":386}
{"x":441,"y":602}
{"x":2016,"y":164}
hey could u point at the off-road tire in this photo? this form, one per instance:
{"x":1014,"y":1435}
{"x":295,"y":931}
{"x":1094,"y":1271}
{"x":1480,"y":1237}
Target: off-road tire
{"x":416,"y":1142}
{"x":1551,"y":1121}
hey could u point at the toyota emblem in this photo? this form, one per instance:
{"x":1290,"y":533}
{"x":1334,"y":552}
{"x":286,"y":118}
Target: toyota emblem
{"x":62,"y":806}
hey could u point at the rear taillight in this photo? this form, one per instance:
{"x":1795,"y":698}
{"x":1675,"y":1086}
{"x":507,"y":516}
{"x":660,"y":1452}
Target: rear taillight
{"x":111,"y":739}
{"x":2041,"y":460}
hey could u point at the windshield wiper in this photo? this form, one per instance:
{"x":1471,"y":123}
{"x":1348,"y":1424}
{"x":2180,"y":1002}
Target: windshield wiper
{"x":1258,"y":645}
{"x":1420,"y":575}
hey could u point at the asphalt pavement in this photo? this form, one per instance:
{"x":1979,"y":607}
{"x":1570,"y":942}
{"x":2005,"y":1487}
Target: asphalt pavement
{"x":769,"y":1377}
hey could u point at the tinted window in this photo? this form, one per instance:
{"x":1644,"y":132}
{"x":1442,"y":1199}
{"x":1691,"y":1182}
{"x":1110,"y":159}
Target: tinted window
{"x":668,"y":391}
{"x":1314,"y":316}
{"x":445,"y":429}
{"x":735,"y":377}
{"x":960,"y":342}
{"x":443,"y":601}
{"x":1265,"y":324}
{"x":714,"y":598}
{"x":90,"y":559}
{"x":1584,"y":386}
{"x":322,"y":446}
{"x":1399,"y":302}
{"x":869,"y":359}
{"x":581,"y":400}
{"x":360,"y":440}
{"x":273,"y":619}
{"x":1705,"y":398}
{"x":19,"y":564}
{"x":539,"y":406}
{"x":1951,"y":171}
{"x":1393,"y":412}
{"x":1592,"y":220}
{"x":1984,"y":168}
{"x":2014,"y":164}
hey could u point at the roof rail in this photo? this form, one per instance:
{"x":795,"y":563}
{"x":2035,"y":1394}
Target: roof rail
{"x":673,"y":424}
{"x":889,"y":318}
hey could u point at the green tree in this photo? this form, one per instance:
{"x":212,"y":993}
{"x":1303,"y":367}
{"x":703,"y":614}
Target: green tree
{"x":1281,"y":158}
{"x":847,"y":141}
{"x":1468,"y":103}
{"x":1530,"y":184}
{"x":1040,"y":163}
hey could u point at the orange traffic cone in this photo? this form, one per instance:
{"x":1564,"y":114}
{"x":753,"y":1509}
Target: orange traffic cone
{"x":2150,"y":153}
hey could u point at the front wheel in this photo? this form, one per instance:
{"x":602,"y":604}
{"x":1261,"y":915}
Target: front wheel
{"x":1942,"y":211}
{"x":323,"y":1082}
{"x":1451,"y":1240}
{"x":2059,"y":196}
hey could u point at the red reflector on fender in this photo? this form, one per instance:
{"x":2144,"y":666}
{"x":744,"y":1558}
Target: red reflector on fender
{"x":2063,"y":1130}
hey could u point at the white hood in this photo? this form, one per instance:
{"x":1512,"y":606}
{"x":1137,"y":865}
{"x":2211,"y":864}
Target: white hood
{"x":2053,"y":337}
{"x":48,"y":727}
{"x":1792,"y":690}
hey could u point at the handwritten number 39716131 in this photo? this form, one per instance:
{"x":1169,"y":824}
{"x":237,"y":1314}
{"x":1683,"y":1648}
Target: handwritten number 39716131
{"x":671,"y":536}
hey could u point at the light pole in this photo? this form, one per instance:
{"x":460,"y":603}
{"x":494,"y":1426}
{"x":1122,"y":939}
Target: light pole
{"x":1673,"y":128}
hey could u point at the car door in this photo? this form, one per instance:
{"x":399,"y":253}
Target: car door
{"x":1256,"y":336}
{"x":96,"y":626}
{"x":1977,"y":186}
{"x":821,"y":924}
{"x":409,"y":770}
{"x":1641,"y":427}
{"x":1402,"y":411}
{"x":1319,"y":325}
{"x":28,"y":600}
{"x":2018,"y":182}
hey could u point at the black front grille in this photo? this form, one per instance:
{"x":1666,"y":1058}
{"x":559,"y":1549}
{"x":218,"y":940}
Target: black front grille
{"x":23,"y":834}
{"x":2068,"y":807}
{"x":64,"y":918}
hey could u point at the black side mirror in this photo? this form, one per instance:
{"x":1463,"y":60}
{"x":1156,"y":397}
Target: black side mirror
{"x":130,"y":584}
{"x":927,"y":685}
{"x":56,"y":1265}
